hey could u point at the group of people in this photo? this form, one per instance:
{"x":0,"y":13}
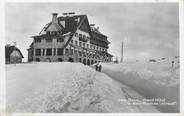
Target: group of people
{"x":98,"y":67}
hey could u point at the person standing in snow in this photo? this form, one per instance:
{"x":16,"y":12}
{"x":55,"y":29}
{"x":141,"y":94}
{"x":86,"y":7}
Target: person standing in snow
{"x":172,"y":63}
{"x":100,"y":68}
{"x":96,"y":67}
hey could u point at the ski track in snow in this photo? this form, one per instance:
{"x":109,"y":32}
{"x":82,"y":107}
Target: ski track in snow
{"x":66,"y":87}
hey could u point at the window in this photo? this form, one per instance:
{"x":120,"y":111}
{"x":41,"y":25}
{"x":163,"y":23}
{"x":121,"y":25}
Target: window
{"x":76,"y":43}
{"x":91,"y":46}
{"x":54,"y":32}
{"x":84,"y":54}
{"x":43,"y":52}
{"x":60,"y":40}
{"x":75,"y":52}
{"x":60,"y":51}
{"x":48,"y":32}
{"x":83,"y":44}
{"x":48,"y":40}
{"x":66,"y":50}
{"x":60,"y":59}
{"x":54,"y":51}
{"x":93,"y":55}
{"x":37,"y":60}
{"x":38,"y":52}
{"x":71,"y":51}
{"x":80,"y":35}
{"x":71,"y":41}
{"x":80,"y":54}
{"x":87,"y":45}
{"x":59,"y":32}
{"x":49,"y":51}
{"x":76,"y":34}
{"x":79,"y":43}
{"x":32,"y":51}
{"x":37,"y":40}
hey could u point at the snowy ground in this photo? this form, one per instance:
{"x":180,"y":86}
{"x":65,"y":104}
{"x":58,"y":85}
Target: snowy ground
{"x":67,"y":87}
{"x":151,"y":80}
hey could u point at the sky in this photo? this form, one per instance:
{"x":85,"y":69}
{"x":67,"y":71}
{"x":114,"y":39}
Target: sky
{"x":148,"y":30}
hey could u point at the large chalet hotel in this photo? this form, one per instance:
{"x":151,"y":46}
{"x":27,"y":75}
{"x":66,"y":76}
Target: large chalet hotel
{"x":70,"y":38}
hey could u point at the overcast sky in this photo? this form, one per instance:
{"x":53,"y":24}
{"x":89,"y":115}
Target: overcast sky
{"x":149,"y":30}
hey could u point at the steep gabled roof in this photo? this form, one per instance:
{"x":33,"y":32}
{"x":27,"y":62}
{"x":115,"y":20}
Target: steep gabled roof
{"x":78,"y":20}
{"x":57,"y":25}
{"x":10,"y":49}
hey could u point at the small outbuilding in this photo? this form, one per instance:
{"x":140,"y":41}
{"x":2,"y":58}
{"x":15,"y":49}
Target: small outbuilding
{"x":12,"y":55}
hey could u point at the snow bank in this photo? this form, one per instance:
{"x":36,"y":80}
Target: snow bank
{"x":64,"y":87}
{"x":152,"y":80}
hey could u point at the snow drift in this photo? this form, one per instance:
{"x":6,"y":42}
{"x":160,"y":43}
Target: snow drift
{"x":152,"y":80}
{"x":65,"y":87}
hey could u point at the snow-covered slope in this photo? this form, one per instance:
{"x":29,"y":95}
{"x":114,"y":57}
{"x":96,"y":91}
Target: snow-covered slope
{"x":152,"y":80}
{"x":66,"y":87}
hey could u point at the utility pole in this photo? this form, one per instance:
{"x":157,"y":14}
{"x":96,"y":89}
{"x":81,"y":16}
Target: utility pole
{"x":121,"y":52}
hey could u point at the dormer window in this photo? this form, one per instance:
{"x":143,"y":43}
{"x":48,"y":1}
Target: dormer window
{"x":48,"y":32}
{"x":37,"y":40}
{"x":71,"y":41}
{"x":82,"y":38}
{"x":54,"y":32}
{"x":59,"y":32}
{"x":48,"y":40}
{"x":60,"y":40}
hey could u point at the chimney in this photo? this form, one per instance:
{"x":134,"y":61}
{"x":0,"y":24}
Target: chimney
{"x":54,"y":18}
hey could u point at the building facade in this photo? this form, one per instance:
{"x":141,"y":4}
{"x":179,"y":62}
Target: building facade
{"x":70,"y":38}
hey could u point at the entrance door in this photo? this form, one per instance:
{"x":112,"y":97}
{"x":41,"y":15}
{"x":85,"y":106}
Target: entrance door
{"x":70,"y":60}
